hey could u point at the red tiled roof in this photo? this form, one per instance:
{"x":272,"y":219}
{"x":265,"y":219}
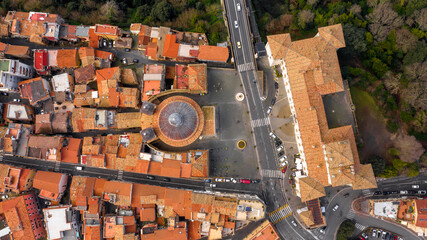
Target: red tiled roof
{"x":104,"y":29}
{"x":67,"y":58}
{"x":40,"y":60}
{"x":213,"y":53}
{"x":70,"y":153}
{"x":47,"y":181}
{"x":151,"y":50}
{"x":170,"y":50}
{"x":93,"y":38}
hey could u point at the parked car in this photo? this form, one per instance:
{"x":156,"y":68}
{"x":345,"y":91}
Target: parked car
{"x":104,"y":43}
{"x":238,"y":6}
{"x":279,"y":148}
{"x":335,"y":207}
{"x":238,"y":44}
{"x":415,"y":186}
{"x":394,"y":192}
{"x":284,"y":171}
{"x":374,"y":232}
{"x":272,"y":135}
{"x":227,"y":180}
{"x":166,"y":179}
{"x":273,"y":101}
{"x":135,"y":60}
{"x":79,"y":168}
{"x":283,"y":164}
{"x":150,"y":177}
{"x":412,"y":192}
{"x":4,"y":93}
{"x":403,"y":192}
{"x":233,"y":180}
{"x":346,"y":195}
{"x":236,"y":25}
{"x":208,"y":180}
{"x":282,"y":159}
{"x":246,"y":181}
{"x":255,"y":180}
{"x":110,"y":44}
{"x":276,"y":85}
{"x":125,"y":61}
{"x":278,"y":142}
{"x":378,"y":193}
{"x":212,"y":185}
{"x":269,"y":110}
{"x":127,"y":49}
{"x":17,"y":100}
{"x":422,"y":192}
{"x":281,"y":153}
{"x":219,"y":180}
{"x":322,"y":230}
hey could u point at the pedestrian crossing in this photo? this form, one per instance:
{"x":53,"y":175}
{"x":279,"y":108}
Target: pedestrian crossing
{"x":360,"y":226}
{"x":366,"y":192}
{"x":280,"y":214}
{"x":260,"y":122}
{"x":120,"y":175}
{"x":245,"y":67}
{"x":272,"y":173}
{"x":351,"y":214}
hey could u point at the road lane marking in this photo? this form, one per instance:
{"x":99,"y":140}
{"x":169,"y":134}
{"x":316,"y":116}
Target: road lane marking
{"x":272,"y":173}
{"x":260,"y":122}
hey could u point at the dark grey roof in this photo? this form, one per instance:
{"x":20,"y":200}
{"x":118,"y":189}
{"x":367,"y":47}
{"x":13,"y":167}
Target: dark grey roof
{"x":37,"y":90}
{"x":63,"y":31}
{"x":147,"y":108}
{"x":148,"y":134}
{"x":82,"y":31}
{"x":178,"y":120}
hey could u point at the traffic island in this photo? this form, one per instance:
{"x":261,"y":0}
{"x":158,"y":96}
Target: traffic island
{"x":241,"y":144}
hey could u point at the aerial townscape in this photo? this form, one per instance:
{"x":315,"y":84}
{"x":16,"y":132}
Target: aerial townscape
{"x":213,"y":119}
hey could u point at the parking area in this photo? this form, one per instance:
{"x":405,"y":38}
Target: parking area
{"x":232,"y":124}
{"x":378,"y":234}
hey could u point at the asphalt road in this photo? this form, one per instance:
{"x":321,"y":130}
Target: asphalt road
{"x":111,"y":174}
{"x":273,"y":192}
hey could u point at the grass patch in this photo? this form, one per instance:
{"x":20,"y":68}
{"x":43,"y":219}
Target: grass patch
{"x":363,"y":100}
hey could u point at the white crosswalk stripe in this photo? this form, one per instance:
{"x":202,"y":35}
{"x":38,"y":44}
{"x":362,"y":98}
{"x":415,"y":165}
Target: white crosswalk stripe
{"x":272,"y":173}
{"x":366,"y":192}
{"x":282,"y":213}
{"x":260,"y":122}
{"x":245,"y":67}
{"x":350,"y":214}
{"x":120,"y":175}
{"x":360,"y":227}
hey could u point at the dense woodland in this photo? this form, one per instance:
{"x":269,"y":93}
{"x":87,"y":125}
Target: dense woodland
{"x":185,"y":15}
{"x":385,"y":62}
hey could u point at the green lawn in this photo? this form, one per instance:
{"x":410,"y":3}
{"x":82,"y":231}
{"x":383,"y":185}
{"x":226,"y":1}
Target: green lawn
{"x":363,"y":100}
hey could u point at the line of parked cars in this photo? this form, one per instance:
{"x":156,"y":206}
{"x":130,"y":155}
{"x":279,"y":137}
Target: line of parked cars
{"x":404,"y":192}
{"x":213,"y":181}
{"x":283,"y":159}
{"x":381,"y":234}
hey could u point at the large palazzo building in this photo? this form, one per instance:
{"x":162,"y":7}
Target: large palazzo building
{"x":310,"y":70}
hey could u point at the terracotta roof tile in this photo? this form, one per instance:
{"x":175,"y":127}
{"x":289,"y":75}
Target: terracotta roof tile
{"x":279,"y":45}
{"x":67,"y":58}
{"x":151,"y":50}
{"x":213,"y":53}
{"x":171,"y":47}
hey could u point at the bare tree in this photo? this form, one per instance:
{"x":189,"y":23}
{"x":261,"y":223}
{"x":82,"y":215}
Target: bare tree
{"x":405,"y":39}
{"x":416,"y":72}
{"x":391,"y":82}
{"x":416,"y":92}
{"x":304,"y":17}
{"x":110,"y":11}
{"x":421,"y":18}
{"x":355,"y":9}
{"x":383,"y":19}
{"x":312,"y":2}
{"x":410,"y":150}
{"x":286,"y":20}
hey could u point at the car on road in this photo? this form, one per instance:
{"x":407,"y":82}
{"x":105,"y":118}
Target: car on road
{"x":403,"y":192}
{"x":378,"y":193}
{"x":166,"y":179}
{"x":238,"y":7}
{"x":17,"y":100}
{"x":208,"y":180}
{"x":415,"y":186}
{"x":79,"y":168}
{"x":5,"y":93}
{"x":422,"y":192}
{"x":294,"y":223}
{"x":150,"y":177}
{"x":255,"y":180}
{"x":281,"y":153}
{"x":346,"y":195}
{"x":127,"y":49}
{"x":246,"y":181}
{"x":104,"y":43}
{"x":219,"y":180}
{"x":335,"y":207}
{"x":212,"y":185}
{"x":124,"y":61}
{"x":323,"y":230}
{"x":135,"y":60}
{"x":238,"y":44}
{"x":236,"y":24}
{"x":269,"y":110}
{"x":273,"y":101}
